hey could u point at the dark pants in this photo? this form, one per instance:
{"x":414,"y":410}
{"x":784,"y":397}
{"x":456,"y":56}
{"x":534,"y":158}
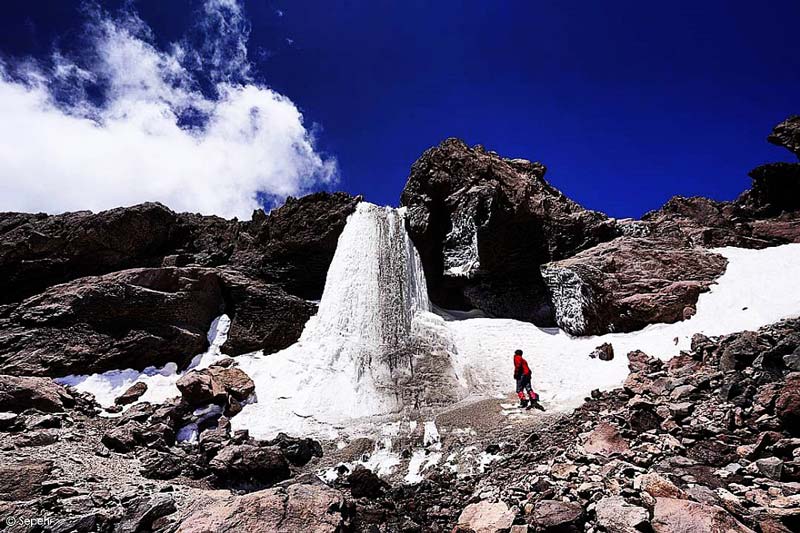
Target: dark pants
{"x":524,"y":384}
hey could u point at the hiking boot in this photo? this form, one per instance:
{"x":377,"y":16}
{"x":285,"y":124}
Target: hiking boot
{"x":537,"y":405}
{"x":523,"y":403}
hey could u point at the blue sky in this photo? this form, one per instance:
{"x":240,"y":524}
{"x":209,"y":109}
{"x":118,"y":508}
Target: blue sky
{"x":627,"y":103}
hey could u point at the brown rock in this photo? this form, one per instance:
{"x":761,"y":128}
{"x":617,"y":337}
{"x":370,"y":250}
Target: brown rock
{"x":200,"y":387}
{"x":234,"y":381}
{"x":485,"y":517}
{"x":557,"y":516}
{"x":605,"y":440}
{"x":298,"y":507}
{"x":683,"y":516}
{"x":22,"y":480}
{"x":133,"y":393}
{"x":658,"y":486}
{"x":128,"y":319}
{"x":787,"y":405}
{"x":628,"y":283}
{"x":20,"y":393}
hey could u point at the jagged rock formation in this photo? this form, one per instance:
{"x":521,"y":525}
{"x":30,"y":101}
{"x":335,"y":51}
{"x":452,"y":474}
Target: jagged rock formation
{"x":494,"y":235}
{"x":483,"y":224}
{"x":139,"y":286}
{"x":787,"y":135}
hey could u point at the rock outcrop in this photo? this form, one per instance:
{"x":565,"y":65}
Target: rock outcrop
{"x":483,"y":224}
{"x":139,"y":286}
{"x":787,"y":135}
{"x":129,"y":319}
{"x":20,"y":393}
{"x":627,"y":283}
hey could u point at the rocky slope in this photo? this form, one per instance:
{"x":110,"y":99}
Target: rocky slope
{"x":707,"y":441}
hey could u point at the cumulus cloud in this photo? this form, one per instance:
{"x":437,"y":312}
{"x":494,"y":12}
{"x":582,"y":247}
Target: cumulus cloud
{"x":155,"y":134}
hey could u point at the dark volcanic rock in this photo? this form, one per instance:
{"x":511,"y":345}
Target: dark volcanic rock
{"x":627,"y":283}
{"x":364,"y":483}
{"x":246,"y":463}
{"x":20,"y":393}
{"x":264,"y":316}
{"x":787,"y":134}
{"x":295,"y":243}
{"x":37,"y":250}
{"x":129,"y":319}
{"x":483,"y":224}
{"x":299,"y":451}
{"x":133,"y":393}
{"x":776,"y":189}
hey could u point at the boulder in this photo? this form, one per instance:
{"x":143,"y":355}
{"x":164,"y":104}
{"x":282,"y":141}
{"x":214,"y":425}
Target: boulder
{"x":483,"y":224}
{"x":246,"y":463}
{"x":557,"y":516}
{"x":683,"y":516}
{"x":298,"y":507}
{"x":200,"y":387}
{"x":628,"y":283}
{"x":605,"y":440}
{"x":133,"y":393}
{"x":771,"y":467}
{"x":364,"y":483}
{"x":657,"y":486}
{"x":128,"y":319}
{"x":787,"y":404}
{"x":232,"y":380}
{"x":20,"y":393}
{"x":485,"y":517}
{"x":22,"y":480}
{"x":740,"y":351}
{"x":140,"y":513}
{"x":604,"y":352}
{"x":299,"y":451}
{"x":618,"y":516}
{"x":124,"y":438}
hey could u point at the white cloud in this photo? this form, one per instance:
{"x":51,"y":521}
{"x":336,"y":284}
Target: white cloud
{"x":67,"y":153}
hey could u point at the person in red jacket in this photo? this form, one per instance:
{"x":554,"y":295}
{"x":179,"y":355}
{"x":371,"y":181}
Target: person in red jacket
{"x":522,"y":374}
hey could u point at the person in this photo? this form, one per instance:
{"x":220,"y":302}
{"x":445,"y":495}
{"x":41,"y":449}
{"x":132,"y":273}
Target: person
{"x":522,"y":374}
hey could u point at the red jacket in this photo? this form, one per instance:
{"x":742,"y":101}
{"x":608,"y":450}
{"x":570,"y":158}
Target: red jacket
{"x":520,"y":367}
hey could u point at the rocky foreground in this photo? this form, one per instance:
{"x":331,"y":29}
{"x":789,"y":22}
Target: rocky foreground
{"x":708,"y":441}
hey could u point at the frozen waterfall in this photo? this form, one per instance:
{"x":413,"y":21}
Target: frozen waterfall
{"x":373,"y":347}
{"x":374,"y":289}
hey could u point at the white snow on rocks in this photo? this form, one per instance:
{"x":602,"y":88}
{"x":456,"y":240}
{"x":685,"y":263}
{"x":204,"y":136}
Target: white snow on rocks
{"x":759,"y":287}
{"x":106,"y":387}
